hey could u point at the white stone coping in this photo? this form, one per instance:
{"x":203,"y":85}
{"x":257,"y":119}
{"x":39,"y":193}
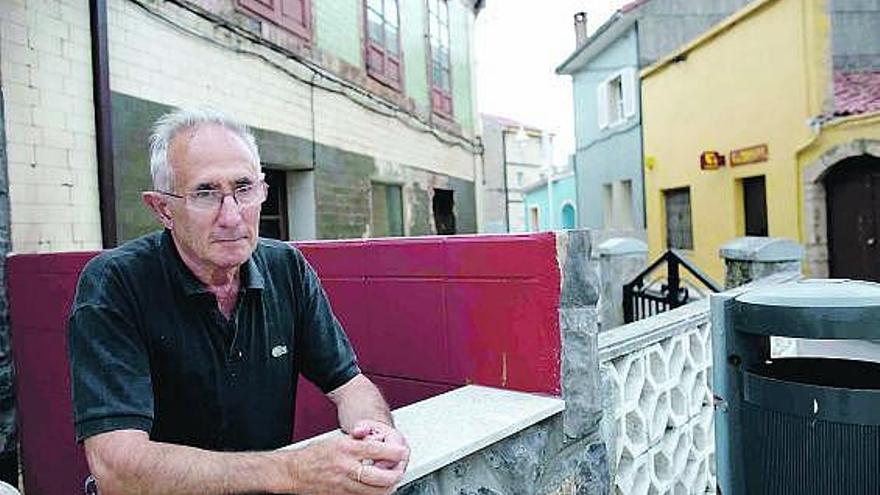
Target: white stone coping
{"x":616,"y":342}
{"x":451,"y":426}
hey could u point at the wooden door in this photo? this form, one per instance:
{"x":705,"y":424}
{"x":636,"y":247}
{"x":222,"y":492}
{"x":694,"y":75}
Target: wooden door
{"x":853,"y":195}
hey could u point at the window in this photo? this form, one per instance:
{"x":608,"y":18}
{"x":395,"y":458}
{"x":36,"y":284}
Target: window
{"x":387,"y":213}
{"x":383,"y":41}
{"x":616,"y":98}
{"x":617,"y":205}
{"x":273,"y":213}
{"x":607,"y":206}
{"x":623,"y":205}
{"x":679,"y":233}
{"x":444,"y":216}
{"x":534,"y":219}
{"x":755,"y":206}
{"x":441,"y":80}
{"x":293,"y":15}
{"x":568,"y":216}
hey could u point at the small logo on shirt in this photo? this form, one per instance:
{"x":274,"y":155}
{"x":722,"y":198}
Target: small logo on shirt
{"x":279,"y":350}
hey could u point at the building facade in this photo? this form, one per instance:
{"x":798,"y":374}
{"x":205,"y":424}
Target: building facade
{"x":364,"y":111}
{"x":515,"y":155}
{"x":607,"y":106}
{"x":784,"y":145}
{"x":551,"y":202}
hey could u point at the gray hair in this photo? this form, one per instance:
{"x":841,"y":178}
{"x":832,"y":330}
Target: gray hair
{"x":169,"y":125}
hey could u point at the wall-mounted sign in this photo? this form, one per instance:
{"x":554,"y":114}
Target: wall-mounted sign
{"x":752,"y":154}
{"x":711,"y":160}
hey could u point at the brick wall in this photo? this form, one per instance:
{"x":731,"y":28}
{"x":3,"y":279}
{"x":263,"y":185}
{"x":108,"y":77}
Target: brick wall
{"x":45,"y":63}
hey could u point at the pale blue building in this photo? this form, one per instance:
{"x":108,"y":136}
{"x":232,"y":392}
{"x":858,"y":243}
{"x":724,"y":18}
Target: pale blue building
{"x":607,"y":108}
{"x":551,"y":202}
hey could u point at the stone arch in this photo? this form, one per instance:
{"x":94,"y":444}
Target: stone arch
{"x":815,"y":203}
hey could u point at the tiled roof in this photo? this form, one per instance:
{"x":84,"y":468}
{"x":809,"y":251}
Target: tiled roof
{"x":633,"y":5}
{"x":856,"y":92}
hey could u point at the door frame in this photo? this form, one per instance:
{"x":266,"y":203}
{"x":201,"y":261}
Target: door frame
{"x":815,"y":203}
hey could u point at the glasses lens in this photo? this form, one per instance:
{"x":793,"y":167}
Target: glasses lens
{"x":250,"y":194}
{"x":205,"y":200}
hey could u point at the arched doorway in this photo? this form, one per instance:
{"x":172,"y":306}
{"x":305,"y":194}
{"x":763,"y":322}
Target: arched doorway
{"x":853,"y":207}
{"x":568,"y":216}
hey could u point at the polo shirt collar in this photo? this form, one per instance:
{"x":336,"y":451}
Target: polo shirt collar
{"x":251,"y":277}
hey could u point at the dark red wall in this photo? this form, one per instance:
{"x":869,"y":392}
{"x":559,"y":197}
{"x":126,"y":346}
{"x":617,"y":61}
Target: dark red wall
{"x":425,"y":315}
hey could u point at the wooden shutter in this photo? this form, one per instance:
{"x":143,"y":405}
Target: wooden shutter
{"x":293,"y":15}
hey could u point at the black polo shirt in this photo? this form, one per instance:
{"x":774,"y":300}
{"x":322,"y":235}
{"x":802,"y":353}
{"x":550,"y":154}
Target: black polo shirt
{"x":150,"y":350}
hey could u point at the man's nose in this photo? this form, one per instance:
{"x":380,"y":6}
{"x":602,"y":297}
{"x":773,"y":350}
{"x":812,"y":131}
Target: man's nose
{"x":230,"y":212}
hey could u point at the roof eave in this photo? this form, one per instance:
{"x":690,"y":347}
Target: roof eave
{"x":604,"y":36}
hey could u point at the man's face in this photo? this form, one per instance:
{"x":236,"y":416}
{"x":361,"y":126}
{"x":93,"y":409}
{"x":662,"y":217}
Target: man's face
{"x":211,"y":157}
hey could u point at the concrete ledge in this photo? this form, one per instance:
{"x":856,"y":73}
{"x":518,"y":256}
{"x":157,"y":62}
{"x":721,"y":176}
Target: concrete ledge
{"x":620,"y":246}
{"x":767,"y":249}
{"x":451,"y":426}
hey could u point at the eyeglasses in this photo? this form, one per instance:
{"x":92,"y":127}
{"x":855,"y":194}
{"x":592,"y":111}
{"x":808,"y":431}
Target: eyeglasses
{"x":211,"y":199}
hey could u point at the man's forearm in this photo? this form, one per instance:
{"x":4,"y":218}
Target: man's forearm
{"x":137,"y":465}
{"x":360,"y":400}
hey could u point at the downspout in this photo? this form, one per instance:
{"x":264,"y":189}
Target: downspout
{"x":103,"y":123}
{"x":9,"y":443}
{"x":504,"y":170}
{"x":641,"y":127}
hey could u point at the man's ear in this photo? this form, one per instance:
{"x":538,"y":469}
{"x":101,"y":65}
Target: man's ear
{"x":159,"y":207}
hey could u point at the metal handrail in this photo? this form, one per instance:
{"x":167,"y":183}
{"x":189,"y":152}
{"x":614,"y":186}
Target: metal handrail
{"x":671,"y":294}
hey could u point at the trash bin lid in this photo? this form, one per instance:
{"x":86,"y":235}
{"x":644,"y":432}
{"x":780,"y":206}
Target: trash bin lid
{"x":816,"y":308}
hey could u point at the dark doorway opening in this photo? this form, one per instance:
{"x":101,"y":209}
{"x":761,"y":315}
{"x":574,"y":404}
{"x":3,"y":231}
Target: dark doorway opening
{"x":273,"y":214}
{"x":444,"y":218}
{"x":755,"y":206}
{"x":853,"y":200}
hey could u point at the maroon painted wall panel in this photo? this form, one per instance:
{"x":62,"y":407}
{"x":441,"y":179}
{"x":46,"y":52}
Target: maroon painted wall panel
{"x":314,"y":413}
{"x":502,"y":327}
{"x":502,"y":256}
{"x":344,"y":259}
{"x":407,"y":329}
{"x":41,"y":289}
{"x":419,"y":257}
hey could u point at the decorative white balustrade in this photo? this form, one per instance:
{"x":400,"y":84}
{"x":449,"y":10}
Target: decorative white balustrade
{"x":658,"y":418}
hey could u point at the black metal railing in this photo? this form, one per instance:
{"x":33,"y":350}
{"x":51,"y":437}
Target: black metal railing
{"x":641,"y":299}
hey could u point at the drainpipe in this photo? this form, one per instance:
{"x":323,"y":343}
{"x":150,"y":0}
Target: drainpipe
{"x":504,"y":170}
{"x":103,"y":124}
{"x":638,"y":87}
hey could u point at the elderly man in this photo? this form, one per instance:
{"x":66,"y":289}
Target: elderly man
{"x":185,"y":345}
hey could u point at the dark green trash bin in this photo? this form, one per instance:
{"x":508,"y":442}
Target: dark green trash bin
{"x":797,"y":425}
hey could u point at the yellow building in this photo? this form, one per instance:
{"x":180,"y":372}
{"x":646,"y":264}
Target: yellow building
{"x":744,"y":133}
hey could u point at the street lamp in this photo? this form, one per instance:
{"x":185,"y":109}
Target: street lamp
{"x":520,"y":137}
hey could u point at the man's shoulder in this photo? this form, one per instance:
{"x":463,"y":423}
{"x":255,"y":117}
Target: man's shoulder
{"x":136,"y":256}
{"x":273,"y":251}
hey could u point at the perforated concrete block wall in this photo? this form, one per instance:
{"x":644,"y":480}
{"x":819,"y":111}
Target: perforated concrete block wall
{"x":659,"y":420}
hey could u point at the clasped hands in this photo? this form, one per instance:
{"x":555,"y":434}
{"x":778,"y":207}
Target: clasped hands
{"x":369,"y":460}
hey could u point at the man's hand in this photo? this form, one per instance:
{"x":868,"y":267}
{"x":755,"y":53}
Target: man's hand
{"x":337,"y":465}
{"x":377,"y":431}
